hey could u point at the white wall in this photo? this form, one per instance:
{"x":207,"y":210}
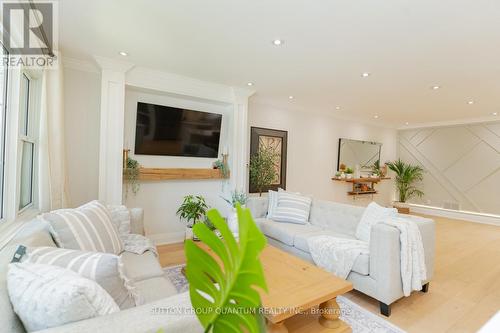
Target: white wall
{"x":313,"y":150}
{"x":160,"y":199}
{"x":82,"y":91}
{"x":462,"y":165}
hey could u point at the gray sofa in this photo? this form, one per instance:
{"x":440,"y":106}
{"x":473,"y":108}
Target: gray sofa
{"x":377,"y":274}
{"x":145,"y":270}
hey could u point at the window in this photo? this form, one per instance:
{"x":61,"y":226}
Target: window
{"x":3,"y":113}
{"x":27,"y":144}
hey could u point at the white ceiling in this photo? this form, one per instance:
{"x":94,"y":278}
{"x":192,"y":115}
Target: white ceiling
{"x":407,"y":46}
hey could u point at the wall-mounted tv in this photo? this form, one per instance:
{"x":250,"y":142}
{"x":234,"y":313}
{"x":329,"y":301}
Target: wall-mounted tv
{"x":170,"y":131}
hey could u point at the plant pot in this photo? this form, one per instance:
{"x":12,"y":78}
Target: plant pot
{"x":402,"y":207}
{"x":232,"y":223}
{"x":348,"y":175}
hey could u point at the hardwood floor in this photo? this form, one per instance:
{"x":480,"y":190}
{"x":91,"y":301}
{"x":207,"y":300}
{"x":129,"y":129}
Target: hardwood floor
{"x":464,"y":292}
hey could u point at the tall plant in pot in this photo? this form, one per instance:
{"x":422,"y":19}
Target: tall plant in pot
{"x":263,"y":169}
{"x":237,"y":198}
{"x":407,"y":177}
{"x":192,"y":210}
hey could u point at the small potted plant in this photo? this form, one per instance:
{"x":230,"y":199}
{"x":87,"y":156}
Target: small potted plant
{"x":407,"y":176}
{"x":262,"y":169}
{"x":240,"y":198}
{"x":348,"y":173}
{"x":192,"y":210}
{"x":131,"y":174}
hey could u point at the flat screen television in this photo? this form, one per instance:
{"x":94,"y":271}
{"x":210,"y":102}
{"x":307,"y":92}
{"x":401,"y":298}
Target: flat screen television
{"x":170,"y":131}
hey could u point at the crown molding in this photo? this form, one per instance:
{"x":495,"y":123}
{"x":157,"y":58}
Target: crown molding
{"x":458,"y":122}
{"x":80,"y":65}
{"x":113,"y":65}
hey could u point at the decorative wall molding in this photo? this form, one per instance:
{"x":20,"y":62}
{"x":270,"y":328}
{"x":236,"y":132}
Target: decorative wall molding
{"x":458,"y":122}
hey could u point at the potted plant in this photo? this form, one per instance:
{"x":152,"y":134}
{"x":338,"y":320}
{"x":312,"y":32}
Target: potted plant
{"x":224,"y":169}
{"x":263,"y":169}
{"x":237,"y":198}
{"x":407,"y":175}
{"x":349,"y":172}
{"x":192,"y":210}
{"x":376,"y":168}
{"x":131,"y":174}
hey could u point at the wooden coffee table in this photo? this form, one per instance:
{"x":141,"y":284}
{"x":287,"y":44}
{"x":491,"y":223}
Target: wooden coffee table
{"x":302,"y":296}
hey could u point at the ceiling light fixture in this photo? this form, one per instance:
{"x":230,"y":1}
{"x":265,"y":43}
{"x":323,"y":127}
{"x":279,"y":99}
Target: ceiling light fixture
{"x":277,"y":42}
{"x":123,"y":53}
{"x":495,"y":113}
{"x":337,"y":107}
{"x":249,"y":84}
{"x":375,"y":116}
{"x":407,"y":123}
{"x":435,"y":87}
{"x":365,"y":74}
{"x":290,"y":97}
{"x":470,"y":102}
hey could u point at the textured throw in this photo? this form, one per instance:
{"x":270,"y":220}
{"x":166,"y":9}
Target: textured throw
{"x":336,"y":255}
{"x":104,"y":268}
{"x":292,"y":208}
{"x":45,"y":296}
{"x":273,"y":203}
{"x":413,"y":270}
{"x":138,"y":244}
{"x":86,"y":228}
{"x":120,"y":217}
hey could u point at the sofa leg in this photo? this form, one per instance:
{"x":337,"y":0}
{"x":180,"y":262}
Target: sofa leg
{"x":385,"y":309}
{"x":425,"y":287}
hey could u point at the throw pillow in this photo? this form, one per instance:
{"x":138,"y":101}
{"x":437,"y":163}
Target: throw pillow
{"x":104,"y":268}
{"x":45,"y":296}
{"x":292,"y":208}
{"x":120,"y":217}
{"x":372,"y":215}
{"x":273,"y":203}
{"x":86,"y":228}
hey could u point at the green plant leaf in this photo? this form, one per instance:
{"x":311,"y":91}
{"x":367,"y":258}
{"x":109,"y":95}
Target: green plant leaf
{"x":224,"y":295}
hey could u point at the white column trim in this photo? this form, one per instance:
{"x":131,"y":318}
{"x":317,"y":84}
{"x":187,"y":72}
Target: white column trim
{"x":112,"y":127}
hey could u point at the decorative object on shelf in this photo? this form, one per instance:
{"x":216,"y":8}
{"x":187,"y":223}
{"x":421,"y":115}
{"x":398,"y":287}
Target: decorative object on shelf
{"x":237,"y":198}
{"x":349,"y":172}
{"x":262,"y":170}
{"x":222,"y":166}
{"x":237,"y":276}
{"x":342,"y":167}
{"x":376,"y":168}
{"x":131,"y":173}
{"x":192,"y":210}
{"x":407,"y":175}
{"x":275,"y":143}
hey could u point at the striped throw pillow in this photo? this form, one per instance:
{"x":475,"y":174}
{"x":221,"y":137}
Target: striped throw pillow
{"x":86,"y":228}
{"x":104,"y":268}
{"x":292,"y":208}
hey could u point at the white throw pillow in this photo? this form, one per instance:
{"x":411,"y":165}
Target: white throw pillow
{"x":372,"y":215}
{"x":273,"y":203}
{"x":104,"y":268}
{"x":45,"y":296}
{"x":120,"y":216}
{"x":292,"y":208}
{"x":86,"y":228}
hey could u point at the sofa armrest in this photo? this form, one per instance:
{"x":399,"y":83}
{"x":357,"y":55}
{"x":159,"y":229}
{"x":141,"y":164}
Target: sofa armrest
{"x":172,"y":314}
{"x":258,"y":206}
{"x":427,"y":229}
{"x":137,"y":221}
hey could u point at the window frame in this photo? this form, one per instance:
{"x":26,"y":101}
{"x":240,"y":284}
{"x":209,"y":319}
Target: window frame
{"x":3,"y":139}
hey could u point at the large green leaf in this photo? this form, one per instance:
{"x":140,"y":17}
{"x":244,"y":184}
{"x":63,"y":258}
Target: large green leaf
{"x":223,"y":295}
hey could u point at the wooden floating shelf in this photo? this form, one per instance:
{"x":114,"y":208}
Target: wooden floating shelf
{"x":361,"y":192}
{"x":179,"y":173}
{"x":361,"y":180}
{"x":356,"y":189}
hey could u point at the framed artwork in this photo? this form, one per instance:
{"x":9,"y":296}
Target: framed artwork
{"x":276,"y":141}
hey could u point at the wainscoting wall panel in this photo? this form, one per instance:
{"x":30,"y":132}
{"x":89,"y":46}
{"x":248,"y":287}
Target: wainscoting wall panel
{"x":462,"y":165}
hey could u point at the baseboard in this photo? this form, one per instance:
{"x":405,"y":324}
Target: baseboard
{"x":167,"y":238}
{"x":455,"y":214}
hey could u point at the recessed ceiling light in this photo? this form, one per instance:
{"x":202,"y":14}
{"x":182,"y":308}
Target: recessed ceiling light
{"x":407,"y":123}
{"x":495,"y":113}
{"x":290,"y":97}
{"x":365,"y":74}
{"x":435,"y":87}
{"x":470,"y":102}
{"x":249,"y":84}
{"x":278,"y":42}
{"x":337,"y":107}
{"x":123,"y":53}
{"x":375,"y":116}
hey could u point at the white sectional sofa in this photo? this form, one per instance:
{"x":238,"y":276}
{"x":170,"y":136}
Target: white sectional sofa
{"x":377,"y":274}
{"x":145,"y":270}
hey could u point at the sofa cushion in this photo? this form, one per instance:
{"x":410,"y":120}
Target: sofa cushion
{"x":140,"y":267}
{"x":86,"y":228}
{"x":285,"y":232}
{"x":362,"y":263}
{"x":104,"y":268}
{"x":47,"y":296}
{"x":342,"y":218}
{"x":292,"y":208}
{"x":155,"y":288}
